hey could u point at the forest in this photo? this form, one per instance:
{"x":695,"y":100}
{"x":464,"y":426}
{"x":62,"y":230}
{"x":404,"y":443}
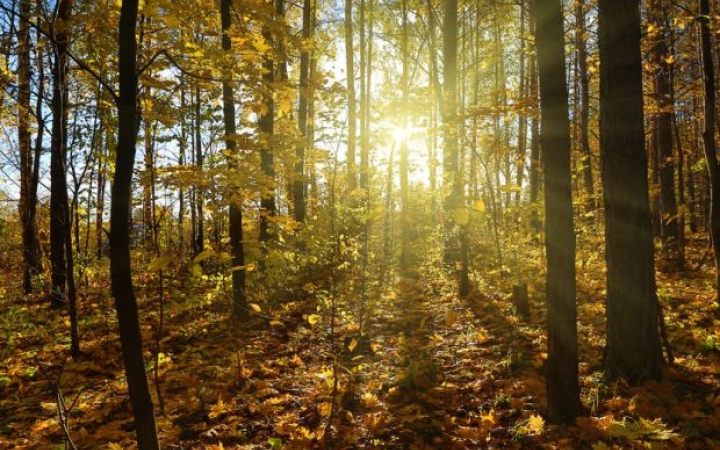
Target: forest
{"x":359,"y":224}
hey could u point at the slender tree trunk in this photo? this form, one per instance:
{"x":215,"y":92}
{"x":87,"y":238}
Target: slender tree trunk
{"x":522,"y":114}
{"x":266,"y":125}
{"x":59,"y":222}
{"x":562,"y":364}
{"x":303,"y":106}
{"x":633,"y":342}
{"x":39,"y":139}
{"x":405,"y":256}
{"x":663,"y":96}
{"x":352,"y":105}
{"x":708,"y":135}
{"x":535,"y":169}
{"x":240,"y":307}
{"x":199,"y":242}
{"x":584,"y":82}
{"x":31,"y":260}
{"x":456,"y":246}
{"x":120,"y":268}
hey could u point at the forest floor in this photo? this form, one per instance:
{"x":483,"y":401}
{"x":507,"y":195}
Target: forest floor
{"x":429,"y":371}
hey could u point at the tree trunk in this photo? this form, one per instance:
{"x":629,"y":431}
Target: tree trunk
{"x":266,"y":125}
{"x":352,"y":107}
{"x":633,"y":343}
{"x":120,"y":269}
{"x":535,"y":169}
{"x":58,"y":158}
{"x":663,"y":128}
{"x":31,"y":260}
{"x":562,"y":363}
{"x":405,"y":256}
{"x":240,"y":307}
{"x":199,"y":211}
{"x":584,"y":114}
{"x":709,"y":136}
{"x":303,"y":104}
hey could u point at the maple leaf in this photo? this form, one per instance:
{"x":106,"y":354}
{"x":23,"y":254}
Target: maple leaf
{"x":218,"y":409}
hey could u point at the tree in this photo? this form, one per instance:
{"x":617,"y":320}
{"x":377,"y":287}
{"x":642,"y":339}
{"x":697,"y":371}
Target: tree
{"x":584,"y":100}
{"x":266,"y":125}
{"x":662,"y":142}
{"x":59,"y":215}
{"x":456,"y":244}
{"x":303,"y":110}
{"x":633,"y":344}
{"x":562,"y":362}
{"x":240,"y":307}
{"x":120,"y":269}
{"x":708,"y":136}
{"x":27,"y":208}
{"x":351,"y":106}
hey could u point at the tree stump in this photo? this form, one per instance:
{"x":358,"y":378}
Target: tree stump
{"x":520,"y":301}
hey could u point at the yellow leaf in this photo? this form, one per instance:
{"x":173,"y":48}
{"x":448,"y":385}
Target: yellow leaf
{"x":351,"y":346}
{"x":160,"y":263}
{"x":114,"y":446}
{"x":276,"y":323}
{"x":313,"y":319}
{"x":487,"y":421}
{"x":536,"y":424}
{"x":247,"y":267}
{"x":218,"y":409}
{"x":255,"y":307}
{"x":171,"y":20}
{"x":202,"y":256}
{"x":479,"y":206}
{"x":461,"y":216}
{"x":325,"y":409}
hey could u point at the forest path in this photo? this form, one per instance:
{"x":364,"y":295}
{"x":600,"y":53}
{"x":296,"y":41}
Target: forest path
{"x":453,"y":373}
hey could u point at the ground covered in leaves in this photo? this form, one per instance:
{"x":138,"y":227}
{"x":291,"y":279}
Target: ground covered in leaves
{"x":428,"y":371}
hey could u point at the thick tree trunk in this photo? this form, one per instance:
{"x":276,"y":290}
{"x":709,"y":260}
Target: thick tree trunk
{"x":562,"y":364}
{"x":633,"y":343}
{"x":240,"y":307}
{"x":120,"y":269}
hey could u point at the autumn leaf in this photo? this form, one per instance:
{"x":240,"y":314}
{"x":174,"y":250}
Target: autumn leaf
{"x":255,"y":307}
{"x":536,"y":424}
{"x":313,"y":319}
{"x":160,"y":263}
{"x":218,"y":409}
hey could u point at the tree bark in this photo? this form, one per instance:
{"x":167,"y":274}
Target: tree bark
{"x":31,"y":260}
{"x":240,"y":307}
{"x":58,"y":158}
{"x":303,"y":108}
{"x":562,"y":363}
{"x":584,"y":114}
{"x":663,"y":128}
{"x":266,"y":125}
{"x":708,"y":135}
{"x":633,"y":343}
{"x":120,"y":207}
